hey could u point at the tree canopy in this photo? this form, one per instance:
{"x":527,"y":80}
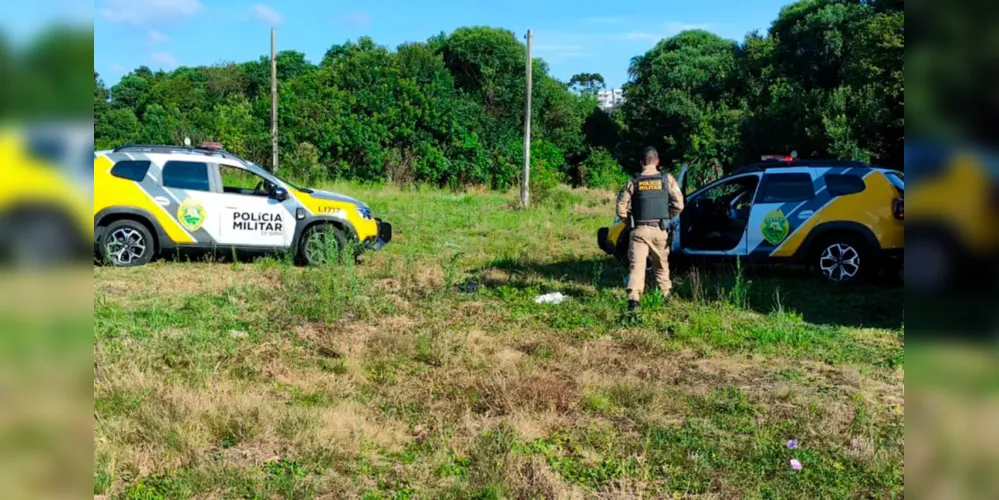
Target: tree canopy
{"x":826,"y":80}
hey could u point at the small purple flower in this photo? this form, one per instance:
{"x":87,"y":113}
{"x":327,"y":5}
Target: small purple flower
{"x":792,"y":444}
{"x":795,"y":464}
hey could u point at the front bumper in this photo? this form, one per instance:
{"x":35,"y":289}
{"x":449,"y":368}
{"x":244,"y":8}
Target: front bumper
{"x":603,"y":241}
{"x":384,"y":235}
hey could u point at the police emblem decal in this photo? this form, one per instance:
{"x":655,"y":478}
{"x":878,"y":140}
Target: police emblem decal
{"x":191,"y":214}
{"x":775,"y":227}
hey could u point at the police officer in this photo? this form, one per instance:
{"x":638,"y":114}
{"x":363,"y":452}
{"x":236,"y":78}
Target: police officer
{"x":654,"y":198}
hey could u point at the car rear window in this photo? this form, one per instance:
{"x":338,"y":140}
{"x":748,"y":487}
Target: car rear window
{"x":897,"y":179}
{"x":131,"y":170}
{"x":844,"y":184}
{"x":186,"y":175}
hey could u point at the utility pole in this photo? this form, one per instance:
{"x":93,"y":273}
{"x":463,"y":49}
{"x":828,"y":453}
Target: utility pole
{"x":526,"y":181}
{"x":274,"y":105}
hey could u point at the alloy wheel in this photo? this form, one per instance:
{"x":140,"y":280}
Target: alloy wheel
{"x":319,"y":248}
{"x":126,"y":246}
{"x":840,"y":262}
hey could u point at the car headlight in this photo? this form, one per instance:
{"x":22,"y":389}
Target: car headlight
{"x":365,"y":213}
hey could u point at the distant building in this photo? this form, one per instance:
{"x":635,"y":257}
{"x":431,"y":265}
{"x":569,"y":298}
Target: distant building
{"x":610,"y":99}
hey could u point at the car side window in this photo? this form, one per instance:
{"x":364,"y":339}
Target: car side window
{"x":729,"y":191}
{"x":239,"y":181}
{"x":787,"y":188}
{"x":186,"y":175}
{"x":844,"y":184}
{"x":130,"y":170}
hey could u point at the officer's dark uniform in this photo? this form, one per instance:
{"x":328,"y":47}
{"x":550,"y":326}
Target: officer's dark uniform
{"x":654,"y":198}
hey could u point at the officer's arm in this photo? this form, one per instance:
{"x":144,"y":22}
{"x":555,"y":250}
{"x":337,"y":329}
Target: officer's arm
{"x":624,"y":200}
{"x":675,"y":197}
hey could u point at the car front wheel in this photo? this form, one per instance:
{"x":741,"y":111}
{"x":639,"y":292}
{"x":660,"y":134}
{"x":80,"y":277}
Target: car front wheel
{"x":321,"y":245}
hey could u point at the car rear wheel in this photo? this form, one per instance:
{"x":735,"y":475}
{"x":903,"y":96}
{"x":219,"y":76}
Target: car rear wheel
{"x":843,"y":259}
{"x":126,"y":243}
{"x":322,"y":245}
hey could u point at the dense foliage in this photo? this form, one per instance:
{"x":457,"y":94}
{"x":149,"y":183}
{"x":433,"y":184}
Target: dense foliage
{"x":826,"y":80}
{"x":45,"y":77}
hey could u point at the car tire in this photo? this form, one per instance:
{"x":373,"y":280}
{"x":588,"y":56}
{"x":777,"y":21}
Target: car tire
{"x":934,"y":264}
{"x":322,"y":244}
{"x":843,"y":258}
{"x":126,"y":243}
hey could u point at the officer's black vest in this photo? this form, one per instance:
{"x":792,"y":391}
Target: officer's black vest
{"x":650,"y":199}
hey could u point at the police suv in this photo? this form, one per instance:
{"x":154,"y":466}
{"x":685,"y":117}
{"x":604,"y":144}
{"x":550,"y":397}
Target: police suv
{"x":843,"y":219}
{"x":152,"y":200}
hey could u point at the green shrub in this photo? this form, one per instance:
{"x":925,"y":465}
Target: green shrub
{"x":302,"y":164}
{"x":547,"y":162}
{"x":601,"y":170}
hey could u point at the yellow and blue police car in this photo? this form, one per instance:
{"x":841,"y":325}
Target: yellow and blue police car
{"x":155,"y":200}
{"x":843,"y":219}
{"x":954,"y":225}
{"x":46,"y":192}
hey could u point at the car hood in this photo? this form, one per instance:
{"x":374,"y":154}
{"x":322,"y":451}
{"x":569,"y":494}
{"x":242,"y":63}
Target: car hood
{"x":328,"y":196}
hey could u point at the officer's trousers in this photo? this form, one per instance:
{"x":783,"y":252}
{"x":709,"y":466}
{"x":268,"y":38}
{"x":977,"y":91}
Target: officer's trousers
{"x":648,"y":241}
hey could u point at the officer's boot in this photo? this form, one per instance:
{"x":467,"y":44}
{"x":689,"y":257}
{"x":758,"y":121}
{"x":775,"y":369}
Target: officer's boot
{"x":632,"y":305}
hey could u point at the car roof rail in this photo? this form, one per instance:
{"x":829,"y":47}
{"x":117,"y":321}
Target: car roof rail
{"x":159,"y":148}
{"x":775,"y":164}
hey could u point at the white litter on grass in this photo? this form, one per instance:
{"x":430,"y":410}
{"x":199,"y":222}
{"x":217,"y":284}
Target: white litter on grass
{"x":551,"y":298}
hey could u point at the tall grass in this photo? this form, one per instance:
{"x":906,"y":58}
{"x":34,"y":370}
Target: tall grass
{"x":390,"y":379}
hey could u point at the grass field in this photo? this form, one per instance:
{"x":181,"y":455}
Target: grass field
{"x":427,"y":371}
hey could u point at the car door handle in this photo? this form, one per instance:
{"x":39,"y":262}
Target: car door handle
{"x":807,"y":214}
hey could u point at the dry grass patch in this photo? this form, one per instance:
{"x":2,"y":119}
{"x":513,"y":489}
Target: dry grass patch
{"x":354,"y":427}
{"x":162,"y":279}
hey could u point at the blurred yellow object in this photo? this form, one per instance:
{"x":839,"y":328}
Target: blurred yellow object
{"x":44,"y":198}
{"x":953,"y":228}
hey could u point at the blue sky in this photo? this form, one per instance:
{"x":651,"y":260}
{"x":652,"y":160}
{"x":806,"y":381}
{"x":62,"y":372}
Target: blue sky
{"x":572,"y":36}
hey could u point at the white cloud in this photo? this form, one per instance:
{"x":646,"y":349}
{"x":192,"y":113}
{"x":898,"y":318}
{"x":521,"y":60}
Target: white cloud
{"x":640,"y":36}
{"x":145,"y":11}
{"x":117,"y":68}
{"x":556,"y":52}
{"x":267,"y":14}
{"x":164,"y":59}
{"x":157,"y":38}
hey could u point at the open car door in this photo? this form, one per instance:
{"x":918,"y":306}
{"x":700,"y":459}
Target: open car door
{"x":677,"y":224}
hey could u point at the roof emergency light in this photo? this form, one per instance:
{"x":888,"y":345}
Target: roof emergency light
{"x":216,"y":146}
{"x":787,"y":158}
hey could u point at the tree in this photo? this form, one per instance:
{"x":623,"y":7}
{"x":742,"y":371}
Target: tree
{"x":681,"y":101}
{"x":118,"y":127}
{"x":101,"y":96}
{"x":587,"y":83}
{"x":826,"y":79}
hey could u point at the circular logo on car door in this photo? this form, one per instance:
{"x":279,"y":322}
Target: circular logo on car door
{"x":775,"y":227}
{"x":191,"y":214}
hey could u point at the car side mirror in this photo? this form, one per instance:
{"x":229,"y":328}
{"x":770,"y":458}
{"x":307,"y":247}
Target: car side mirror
{"x":279,"y":193}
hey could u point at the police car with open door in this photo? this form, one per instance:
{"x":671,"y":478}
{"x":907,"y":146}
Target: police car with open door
{"x":843,"y":219}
